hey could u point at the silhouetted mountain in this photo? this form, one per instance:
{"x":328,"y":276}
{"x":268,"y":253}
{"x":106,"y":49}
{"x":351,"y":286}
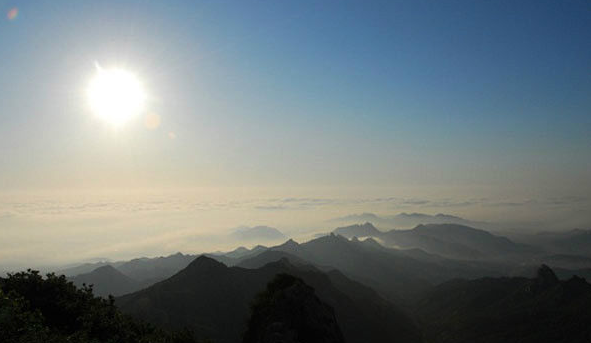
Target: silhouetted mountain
{"x":447,"y":240}
{"x":456,"y":241}
{"x":151,"y":270}
{"x":392,"y":276}
{"x":288,"y":311}
{"x":234,"y":257}
{"x":542,"y":309}
{"x":270,"y":256}
{"x":290,"y":246}
{"x":408,"y":220}
{"x":242,"y":252}
{"x":146,"y":271}
{"x":85,"y":268}
{"x":357,"y":230}
{"x":213,"y":300}
{"x":106,"y":281}
{"x":236,"y":253}
{"x":399,"y":275}
{"x":258,"y":234}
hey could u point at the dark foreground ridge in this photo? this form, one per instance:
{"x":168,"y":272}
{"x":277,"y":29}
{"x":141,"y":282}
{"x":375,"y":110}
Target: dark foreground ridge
{"x":288,"y":311}
{"x":542,"y":309}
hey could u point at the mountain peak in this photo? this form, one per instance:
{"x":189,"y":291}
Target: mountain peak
{"x":358,"y":230}
{"x":546,"y":276}
{"x":290,"y":245}
{"x":204,"y":263}
{"x":450,"y":228}
{"x":291,"y":242}
{"x":108,"y":269}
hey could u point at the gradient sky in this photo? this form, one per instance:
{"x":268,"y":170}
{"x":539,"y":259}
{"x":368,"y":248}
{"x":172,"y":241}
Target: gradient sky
{"x":449,"y":100}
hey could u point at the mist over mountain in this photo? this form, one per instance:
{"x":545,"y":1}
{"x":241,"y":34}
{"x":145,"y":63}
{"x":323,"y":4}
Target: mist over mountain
{"x":383,"y":286}
{"x":407,"y":220}
{"x":269,"y":256}
{"x":86,"y":268}
{"x":151,"y":270}
{"x":573,"y":242}
{"x":423,"y":256}
{"x":399,"y":275}
{"x":448,"y":240}
{"x":144,"y":269}
{"x":257,"y":233}
{"x":242,"y":252}
{"x":432,"y":283}
{"x":359,"y":230}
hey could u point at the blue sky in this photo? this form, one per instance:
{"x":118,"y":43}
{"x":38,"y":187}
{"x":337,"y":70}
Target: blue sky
{"x":454,"y":99}
{"x":303,"y":90}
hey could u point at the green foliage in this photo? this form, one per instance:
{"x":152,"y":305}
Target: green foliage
{"x":17,"y":323}
{"x":51,"y":309}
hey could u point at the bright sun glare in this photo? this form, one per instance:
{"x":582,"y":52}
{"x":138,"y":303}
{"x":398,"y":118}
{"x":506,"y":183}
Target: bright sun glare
{"x":115,"y":95}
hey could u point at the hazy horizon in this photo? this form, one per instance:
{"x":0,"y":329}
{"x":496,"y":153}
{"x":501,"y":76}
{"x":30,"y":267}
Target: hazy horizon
{"x":68,"y":227}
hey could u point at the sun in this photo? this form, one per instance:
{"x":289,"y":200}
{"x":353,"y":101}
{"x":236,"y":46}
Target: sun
{"x":115,"y":95}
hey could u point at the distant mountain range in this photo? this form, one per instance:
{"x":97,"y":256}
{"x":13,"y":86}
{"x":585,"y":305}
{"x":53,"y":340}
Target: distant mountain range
{"x":431,"y":283}
{"x":122,"y":277}
{"x":399,"y":275}
{"x":143,"y":269}
{"x":448,"y":240}
{"x":151,"y":270}
{"x":241,"y":252}
{"x":397,"y":263}
{"x":86,"y":268}
{"x":407,"y":220}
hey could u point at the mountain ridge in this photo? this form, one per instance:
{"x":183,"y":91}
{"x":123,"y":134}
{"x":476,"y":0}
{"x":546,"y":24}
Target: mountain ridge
{"x":208,"y":296}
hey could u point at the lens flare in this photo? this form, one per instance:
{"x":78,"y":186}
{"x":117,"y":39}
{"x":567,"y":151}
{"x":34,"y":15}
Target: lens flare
{"x":12,"y":14}
{"x":152,"y":121}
